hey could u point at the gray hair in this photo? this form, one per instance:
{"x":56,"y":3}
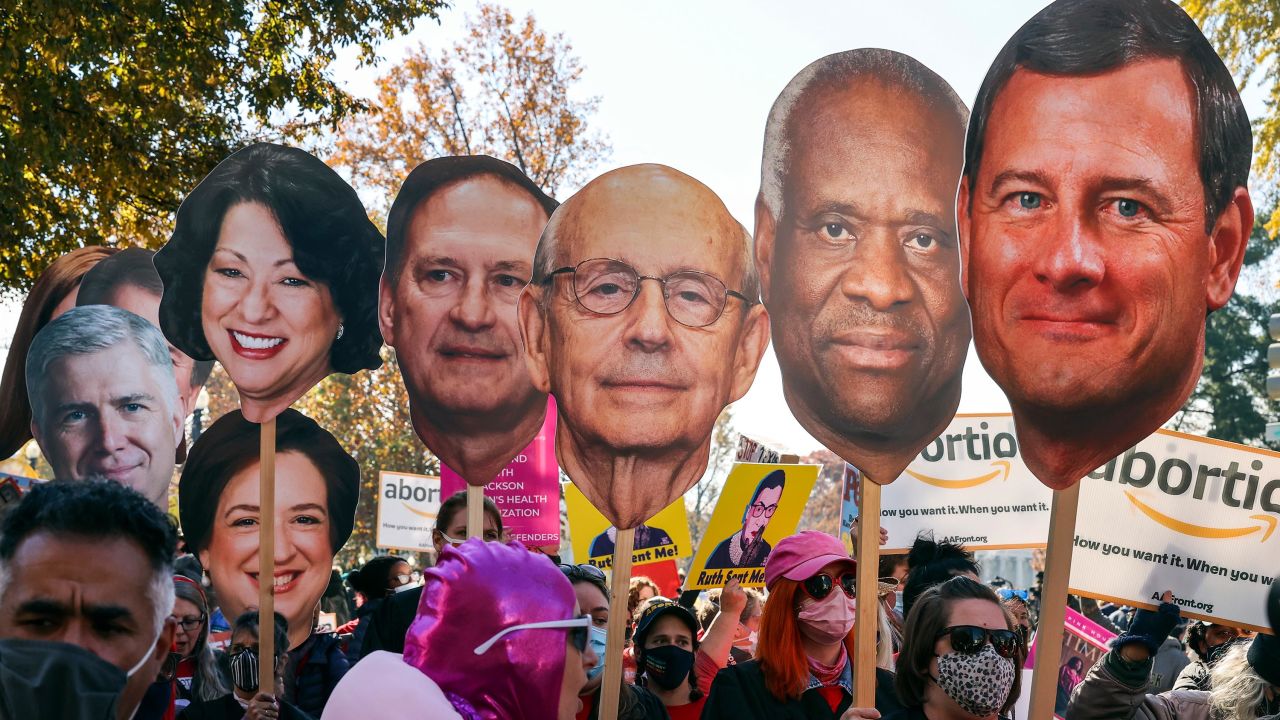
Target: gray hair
{"x":840,"y":70}
{"x":1236,"y":690}
{"x":92,"y":329}
{"x":545,"y":256}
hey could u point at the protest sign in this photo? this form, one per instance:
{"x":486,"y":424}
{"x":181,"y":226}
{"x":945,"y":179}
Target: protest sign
{"x":759,"y":505}
{"x":849,"y":502}
{"x":969,"y":486}
{"x":663,"y":573}
{"x":526,"y":491}
{"x":407,"y":508}
{"x":1189,"y":514}
{"x":1083,"y":644}
{"x":750,"y":450}
{"x":664,"y":536}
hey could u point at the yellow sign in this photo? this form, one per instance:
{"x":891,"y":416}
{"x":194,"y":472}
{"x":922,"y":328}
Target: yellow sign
{"x":759,"y":505}
{"x":664,"y":536}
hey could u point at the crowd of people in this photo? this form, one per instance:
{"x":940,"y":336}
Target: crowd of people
{"x":493,"y":630}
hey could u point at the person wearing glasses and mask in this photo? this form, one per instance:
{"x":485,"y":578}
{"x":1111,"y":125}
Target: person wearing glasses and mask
{"x":247,"y":700}
{"x":634,"y":702}
{"x":803,"y":665}
{"x":481,"y":646}
{"x":961,"y":656}
{"x":747,"y":547}
{"x":200,"y":673}
{"x":387,"y":624}
{"x":643,"y":321}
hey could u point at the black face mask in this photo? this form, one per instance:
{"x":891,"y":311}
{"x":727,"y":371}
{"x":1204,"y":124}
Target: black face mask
{"x":52,"y":679}
{"x":1215,"y":652}
{"x":244,"y":670}
{"x":668,"y":665}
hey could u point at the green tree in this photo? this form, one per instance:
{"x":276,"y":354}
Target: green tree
{"x":111,"y":112}
{"x":1229,"y":402}
{"x":504,"y":90}
{"x":1246,"y":34}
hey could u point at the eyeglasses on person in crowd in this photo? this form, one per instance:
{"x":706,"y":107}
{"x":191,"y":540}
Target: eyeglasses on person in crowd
{"x":607,"y":287}
{"x":1008,"y":593}
{"x":578,"y":629}
{"x":188,"y":623}
{"x":820,"y":586}
{"x":582,"y":572}
{"x":969,"y":639}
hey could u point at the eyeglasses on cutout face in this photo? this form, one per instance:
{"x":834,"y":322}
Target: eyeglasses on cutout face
{"x":760,"y":508}
{"x":820,"y":586}
{"x":969,"y":639}
{"x":607,"y":287}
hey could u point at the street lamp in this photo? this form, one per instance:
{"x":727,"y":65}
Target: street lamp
{"x":197,"y":417}
{"x":32,"y":453}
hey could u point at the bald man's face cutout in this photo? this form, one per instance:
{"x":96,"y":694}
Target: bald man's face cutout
{"x":639,"y":390}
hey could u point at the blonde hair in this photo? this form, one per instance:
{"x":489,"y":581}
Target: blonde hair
{"x":1235,"y":688}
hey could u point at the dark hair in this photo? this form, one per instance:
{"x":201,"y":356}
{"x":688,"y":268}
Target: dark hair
{"x":1087,"y":37}
{"x":929,"y":616}
{"x":131,"y":267}
{"x":95,"y":509}
{"x":321,"y":217}
{"x":457,"y":503}
{"x":248,"y":620}
{"x":56,"y":282}
{"x":438,"y":174}
{"x":373,"y":579}
{"x":775,"y":479}
{"x":232,"y":444}
{"x":931,"y":563}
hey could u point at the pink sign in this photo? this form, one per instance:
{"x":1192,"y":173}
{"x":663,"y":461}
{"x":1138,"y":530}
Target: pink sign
{"x":527,"y":491}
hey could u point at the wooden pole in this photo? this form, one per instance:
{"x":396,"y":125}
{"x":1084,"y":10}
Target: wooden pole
{"x":267,"y":558}
{"x":475,"y":511}
{"x":1053,"y":601}
{"x":611,"y":686}
{"x":867,"y":620}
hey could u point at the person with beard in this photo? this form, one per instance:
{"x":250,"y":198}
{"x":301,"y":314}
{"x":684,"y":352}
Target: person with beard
{"x":747,"y":547}
{"x":461,"y":236}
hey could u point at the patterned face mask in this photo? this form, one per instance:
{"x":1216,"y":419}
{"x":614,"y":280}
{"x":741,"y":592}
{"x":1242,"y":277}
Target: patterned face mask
{"x":978,"y":682}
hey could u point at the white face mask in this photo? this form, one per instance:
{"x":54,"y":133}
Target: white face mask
{"x":151,"y":646}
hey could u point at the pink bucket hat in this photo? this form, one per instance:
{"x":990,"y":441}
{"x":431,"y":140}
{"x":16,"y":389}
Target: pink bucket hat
{"x":800,"y":556}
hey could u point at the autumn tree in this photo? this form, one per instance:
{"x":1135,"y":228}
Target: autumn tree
{"x":504,"y":90}
{"x":822,"y":513}
{"x":111,"y":112}
{"x":700,"y":501}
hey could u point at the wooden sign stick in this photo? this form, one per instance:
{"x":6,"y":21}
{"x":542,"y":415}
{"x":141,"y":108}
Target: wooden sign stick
{"x":867,"y":619}
{"x":267,"y":558}
{"x":611,"y":687}
{"x":1053,"y":601}
{"x":475,"y":511}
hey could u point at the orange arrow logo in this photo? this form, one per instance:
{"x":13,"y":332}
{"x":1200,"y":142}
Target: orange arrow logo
{"x":964,"y":482}
{"x":1267,"y":526}
{"x":415,"y":511}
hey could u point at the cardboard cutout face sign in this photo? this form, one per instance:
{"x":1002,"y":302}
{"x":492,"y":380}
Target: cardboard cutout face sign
{"x":103,"y":399}
{"x":318,"y":485}
{"x":642,"y":322}
{"x":1102,"y":217}
{"x":460,"y":242}
{"x":272,"y":269}
{"x":858,"y":256}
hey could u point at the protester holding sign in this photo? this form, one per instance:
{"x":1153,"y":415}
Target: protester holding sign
{"x":960,"y":657}
{"x":803,"y":666}
{"x":272,"y":270}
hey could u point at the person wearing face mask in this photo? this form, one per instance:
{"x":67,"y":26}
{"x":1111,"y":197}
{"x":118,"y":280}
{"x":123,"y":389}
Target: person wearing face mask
{"x":56,"y":593}
{"x":247,"y":701}
{"x":378,"y":580}
{"x":803,"y":666}
{"x":1208,"y":642}
{"x":960,"y":657}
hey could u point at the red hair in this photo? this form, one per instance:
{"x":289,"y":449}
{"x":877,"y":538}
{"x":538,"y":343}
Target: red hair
{"x":780,"y":652}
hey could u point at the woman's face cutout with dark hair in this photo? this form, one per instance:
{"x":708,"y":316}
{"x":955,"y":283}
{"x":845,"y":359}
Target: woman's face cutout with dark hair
{"x":269,"y":325}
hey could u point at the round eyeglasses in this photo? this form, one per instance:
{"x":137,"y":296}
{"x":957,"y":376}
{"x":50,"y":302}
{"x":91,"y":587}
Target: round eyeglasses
{"x":607,"y":287}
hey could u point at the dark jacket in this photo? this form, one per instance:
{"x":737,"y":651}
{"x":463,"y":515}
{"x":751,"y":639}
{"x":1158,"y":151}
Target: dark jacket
{"x":388,"y":624}
{"x":1116,"y":689}
{"x":739,"y":693}
{"x":916,"y":713}
{"x":228,"y":708}
{"x":315,"y":667}
{"x":634,"y":703}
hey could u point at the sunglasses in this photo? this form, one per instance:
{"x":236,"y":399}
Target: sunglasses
{"x":819,"y":586}
{"x":578,"y":629}
{"x":582,"y":572}
{"x":969,"y":639}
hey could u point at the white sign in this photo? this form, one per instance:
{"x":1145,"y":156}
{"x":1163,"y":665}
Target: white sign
{"x":969,"y":486}
{"x":407,"y":508}
{"x":1178,"y":512}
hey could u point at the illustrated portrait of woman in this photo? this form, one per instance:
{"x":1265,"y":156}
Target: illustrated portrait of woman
{"x":273,"y":270}
{"x":317,"y":487}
